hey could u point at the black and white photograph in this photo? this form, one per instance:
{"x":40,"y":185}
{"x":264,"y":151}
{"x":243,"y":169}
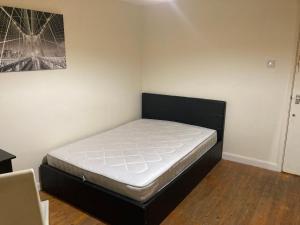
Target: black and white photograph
{"x":31,"y":40}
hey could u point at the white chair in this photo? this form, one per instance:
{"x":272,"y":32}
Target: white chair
{"x":20,"y":202}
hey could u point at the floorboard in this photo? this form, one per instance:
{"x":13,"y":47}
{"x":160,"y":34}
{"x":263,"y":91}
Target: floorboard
{"x":232,"y":194}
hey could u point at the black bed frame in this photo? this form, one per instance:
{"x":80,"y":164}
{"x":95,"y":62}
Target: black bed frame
{"x":116,"y":209}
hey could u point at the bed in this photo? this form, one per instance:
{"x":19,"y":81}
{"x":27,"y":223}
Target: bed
{"x":138,"y":173}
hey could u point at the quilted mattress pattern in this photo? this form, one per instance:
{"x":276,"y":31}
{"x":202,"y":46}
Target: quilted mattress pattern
{"x":136,"y":159}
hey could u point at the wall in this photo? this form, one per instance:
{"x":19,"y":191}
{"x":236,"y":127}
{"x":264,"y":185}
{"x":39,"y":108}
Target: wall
{"x":219,"y":49}
{"x":99,"y":90}
{"x":199,"y":48}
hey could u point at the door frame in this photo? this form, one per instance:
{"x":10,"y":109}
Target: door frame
{"x":291,"y":93}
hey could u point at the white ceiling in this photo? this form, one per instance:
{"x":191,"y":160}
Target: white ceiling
{"x":146,"y":2}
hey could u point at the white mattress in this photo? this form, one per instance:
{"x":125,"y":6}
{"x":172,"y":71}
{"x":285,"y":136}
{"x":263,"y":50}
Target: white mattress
{"x":136,"y":159}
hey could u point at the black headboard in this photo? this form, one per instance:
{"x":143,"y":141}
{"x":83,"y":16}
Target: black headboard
{"x":194,"y":111}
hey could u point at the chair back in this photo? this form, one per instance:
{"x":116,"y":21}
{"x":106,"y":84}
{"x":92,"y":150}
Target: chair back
{"x":19,"y":199}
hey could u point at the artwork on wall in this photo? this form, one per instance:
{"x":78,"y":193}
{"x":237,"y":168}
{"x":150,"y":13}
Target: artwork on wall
{"x":31,"y":40}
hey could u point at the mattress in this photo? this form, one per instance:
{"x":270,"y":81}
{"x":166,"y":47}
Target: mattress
{"x":136,"y":159}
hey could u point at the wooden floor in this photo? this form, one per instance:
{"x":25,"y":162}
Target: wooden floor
{"x":232,"y":194}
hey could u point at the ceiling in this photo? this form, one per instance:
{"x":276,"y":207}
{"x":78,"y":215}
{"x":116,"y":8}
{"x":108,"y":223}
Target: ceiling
{"x":146,"y":2}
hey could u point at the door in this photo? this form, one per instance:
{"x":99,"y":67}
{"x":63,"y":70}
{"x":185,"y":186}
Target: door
{"x":292,"y":152}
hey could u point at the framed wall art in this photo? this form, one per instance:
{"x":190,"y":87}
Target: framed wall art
{"x":31,"y":40}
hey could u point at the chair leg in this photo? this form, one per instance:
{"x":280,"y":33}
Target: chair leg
{"x":45,"y":212}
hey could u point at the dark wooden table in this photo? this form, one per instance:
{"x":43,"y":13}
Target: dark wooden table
{"x":5,"y":162}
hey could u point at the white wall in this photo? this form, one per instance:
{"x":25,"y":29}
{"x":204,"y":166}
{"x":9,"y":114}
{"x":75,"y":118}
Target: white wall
{"x":219,"y":49}
{"x":201,"y":48}
{"x":99,"y":90}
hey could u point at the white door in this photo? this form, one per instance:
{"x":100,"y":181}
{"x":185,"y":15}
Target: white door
{"x":292,"y":152}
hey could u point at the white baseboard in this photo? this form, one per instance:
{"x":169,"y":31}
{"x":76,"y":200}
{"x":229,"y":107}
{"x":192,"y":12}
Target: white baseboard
{"x":251,"y":161}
